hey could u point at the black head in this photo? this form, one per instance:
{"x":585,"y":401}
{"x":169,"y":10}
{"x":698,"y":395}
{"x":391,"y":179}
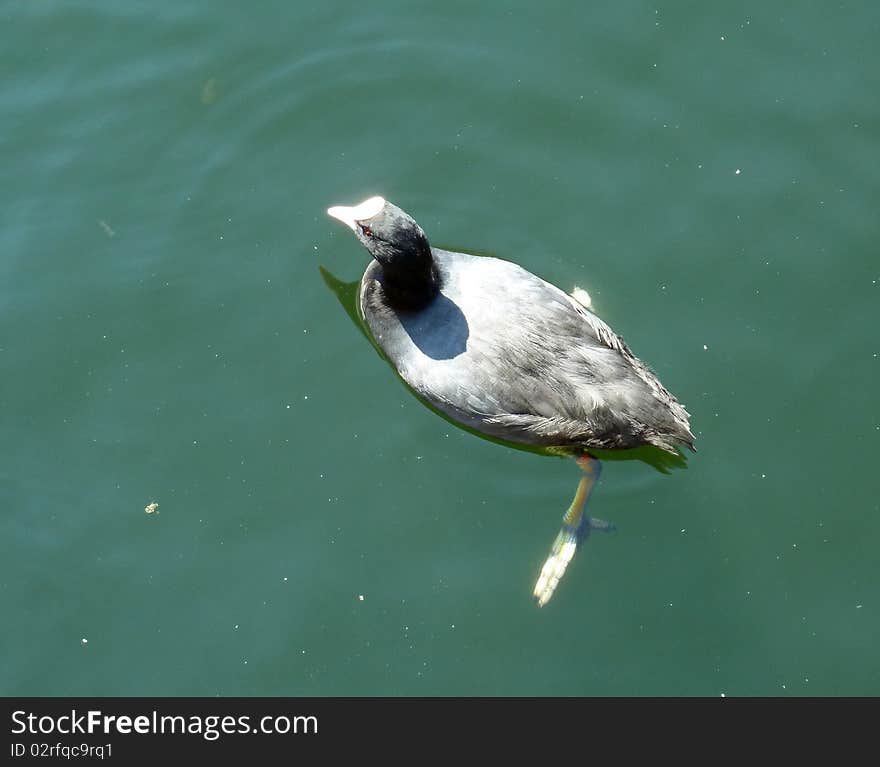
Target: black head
{"x":400,"y":246}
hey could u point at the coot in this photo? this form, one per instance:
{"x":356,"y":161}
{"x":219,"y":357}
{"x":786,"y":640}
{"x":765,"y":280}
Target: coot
{"x":505,"y":353}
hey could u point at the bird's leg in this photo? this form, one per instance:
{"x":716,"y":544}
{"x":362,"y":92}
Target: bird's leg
{"x":576,"y":527}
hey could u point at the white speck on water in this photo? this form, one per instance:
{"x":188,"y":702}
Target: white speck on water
{"x":285,"y":579}
{"x":723,"y":695}
{"x":287,"y":406}
{"x":763,"y":476}
{"x":235,"y":627}
{"x":86,"y":641}
{"x":737,"y":172}
{"x":858,"y":607}
{"x":683,"y":530}
{"x":360,"y":597}
{"x":305,"y":396}
{"x":722,"y":38}
{"x":705,"y":348}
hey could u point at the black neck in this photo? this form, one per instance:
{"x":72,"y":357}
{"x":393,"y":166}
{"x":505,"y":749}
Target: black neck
{"x":410,"y":290}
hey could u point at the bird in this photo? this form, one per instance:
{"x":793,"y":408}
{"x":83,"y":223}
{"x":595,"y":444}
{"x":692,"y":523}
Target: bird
{"x":511,"y":357}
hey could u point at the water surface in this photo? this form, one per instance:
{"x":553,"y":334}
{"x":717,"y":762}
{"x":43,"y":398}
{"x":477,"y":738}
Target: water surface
{"x":708,"y":174}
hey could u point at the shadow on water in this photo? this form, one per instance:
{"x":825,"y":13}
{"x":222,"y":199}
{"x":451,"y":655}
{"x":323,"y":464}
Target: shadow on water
{"x":347,"y":295}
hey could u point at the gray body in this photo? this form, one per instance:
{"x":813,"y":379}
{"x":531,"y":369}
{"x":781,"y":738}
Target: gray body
{"x":513,"y":357}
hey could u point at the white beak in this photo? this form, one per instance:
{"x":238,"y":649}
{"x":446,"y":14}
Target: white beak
{"x":350,"y":216}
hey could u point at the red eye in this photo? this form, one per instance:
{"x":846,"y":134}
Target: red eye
{"x":366,"y":230}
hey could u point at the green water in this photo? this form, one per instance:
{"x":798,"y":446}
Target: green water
{"x":708,"y":173}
